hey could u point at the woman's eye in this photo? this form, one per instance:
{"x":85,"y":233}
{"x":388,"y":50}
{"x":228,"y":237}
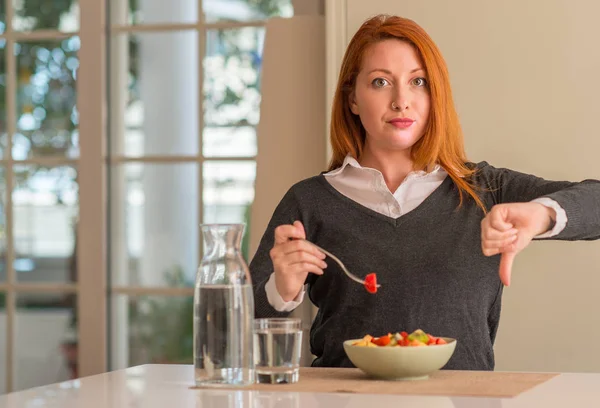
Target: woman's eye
{"x":419,"y":82}
{"x":379,"y":82}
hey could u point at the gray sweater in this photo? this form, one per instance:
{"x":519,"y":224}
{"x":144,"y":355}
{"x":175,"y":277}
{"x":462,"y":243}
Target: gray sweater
{"x":429,"y":262}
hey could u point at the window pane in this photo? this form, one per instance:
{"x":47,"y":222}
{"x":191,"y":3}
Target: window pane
{"x":45,"y":339}
{"x":229,"y":141}
{"x":3,"y":341}
{"x":47,"y":117}
{"x":2,"y":29}
{"x":60,"y":15}
{"x":245,"y":10}
{"x":228,"y":193}
{"x":153,"y":11}
{"x":232,"y":76}
{"x":3,"y":124}
{"x":2,"y":225}
{"x":151,"y":329}
{"x":45,"y":209}
{"x":232,"y":68}
{"x":154,"y":94}
{"x":154,"y":224}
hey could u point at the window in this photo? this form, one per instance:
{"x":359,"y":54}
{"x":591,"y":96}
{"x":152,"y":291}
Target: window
{"x":182,"y":82}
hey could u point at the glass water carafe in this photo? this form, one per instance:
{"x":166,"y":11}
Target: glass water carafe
{"x":223,"y":310}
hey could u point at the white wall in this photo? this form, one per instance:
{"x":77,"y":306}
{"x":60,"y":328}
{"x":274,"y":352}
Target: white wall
{"x":526,"y":84}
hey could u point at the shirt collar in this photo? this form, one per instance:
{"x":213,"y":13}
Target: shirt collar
{"x":348,"y":161}
{"x":351,"y":161}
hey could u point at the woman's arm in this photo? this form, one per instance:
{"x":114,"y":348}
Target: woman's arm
{"x":580,"y":201}
{"x":261,"y":266}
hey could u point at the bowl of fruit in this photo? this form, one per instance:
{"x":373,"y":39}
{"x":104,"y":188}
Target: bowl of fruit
{"x":400,"y":356}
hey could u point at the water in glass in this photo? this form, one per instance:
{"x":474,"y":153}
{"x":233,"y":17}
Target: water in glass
{"x":277,"y":344}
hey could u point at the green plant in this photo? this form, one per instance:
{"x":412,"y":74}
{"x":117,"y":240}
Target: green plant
{"x":245,"y":249}
{"x":161,"y":328}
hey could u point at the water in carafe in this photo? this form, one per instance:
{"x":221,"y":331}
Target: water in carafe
{"x":223,"y":310}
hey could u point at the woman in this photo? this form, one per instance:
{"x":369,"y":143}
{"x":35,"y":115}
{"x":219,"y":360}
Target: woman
{"x":401,"y":199}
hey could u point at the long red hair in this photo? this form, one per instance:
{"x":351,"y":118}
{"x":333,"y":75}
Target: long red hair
{"x":442,"y":142}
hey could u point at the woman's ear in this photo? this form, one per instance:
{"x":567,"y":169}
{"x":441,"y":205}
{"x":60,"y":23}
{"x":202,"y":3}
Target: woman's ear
{"x":352,"y":103}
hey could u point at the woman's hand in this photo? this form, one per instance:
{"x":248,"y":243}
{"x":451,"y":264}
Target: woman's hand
{"x":293,"y":259}
{"x":508,"y":228}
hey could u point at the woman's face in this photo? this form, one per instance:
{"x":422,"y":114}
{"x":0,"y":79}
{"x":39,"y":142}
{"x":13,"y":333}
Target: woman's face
{"x":391,"y":96}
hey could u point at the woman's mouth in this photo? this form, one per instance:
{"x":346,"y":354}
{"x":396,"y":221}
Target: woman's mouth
{"x":401,"y":123}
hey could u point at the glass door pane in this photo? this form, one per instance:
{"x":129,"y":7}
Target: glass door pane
{"x":2,"y":226}
{"x":158,"y":329}
{"x":32,"y":15}
{"x":3,"y":340}
{"x":45,"y":339}
{"x":45,"y":209}
{"x":3,"y":124}
{"x":155,"y":12}
{"x":245,"y":10}
{"x":228,"y":194}
{"x":47,"y":117}
{"x":154,"y":98}
{"x":154,"y":209}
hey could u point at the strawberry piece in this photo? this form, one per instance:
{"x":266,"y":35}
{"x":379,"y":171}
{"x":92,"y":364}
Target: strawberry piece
{"x":371,"y":283}
{"x":382,"y":341}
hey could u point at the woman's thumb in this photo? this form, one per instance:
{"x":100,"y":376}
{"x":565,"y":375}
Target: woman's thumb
{"x":300,"y":229}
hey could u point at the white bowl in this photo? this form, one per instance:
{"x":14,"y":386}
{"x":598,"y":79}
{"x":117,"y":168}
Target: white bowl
{"x":400,"y":363}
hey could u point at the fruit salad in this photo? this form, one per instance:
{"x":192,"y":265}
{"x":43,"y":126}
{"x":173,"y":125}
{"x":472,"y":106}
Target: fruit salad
{"x":417,"y":338}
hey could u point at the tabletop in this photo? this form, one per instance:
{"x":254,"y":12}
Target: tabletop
{"x":152,"y":386}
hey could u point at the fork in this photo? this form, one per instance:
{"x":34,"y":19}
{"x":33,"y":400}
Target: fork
{"x":335,"y":258}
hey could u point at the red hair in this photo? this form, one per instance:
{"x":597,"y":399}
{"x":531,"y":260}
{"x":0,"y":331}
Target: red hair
{"x":442,"y":142}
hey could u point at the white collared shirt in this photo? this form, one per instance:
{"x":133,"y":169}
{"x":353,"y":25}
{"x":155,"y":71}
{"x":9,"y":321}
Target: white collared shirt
{"x":367,"y":187}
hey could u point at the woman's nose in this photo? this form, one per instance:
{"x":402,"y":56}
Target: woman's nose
{"x":399,"y":105}
{"x":400,"y":101}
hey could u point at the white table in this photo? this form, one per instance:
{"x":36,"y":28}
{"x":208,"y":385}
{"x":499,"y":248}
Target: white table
{"x":168,"y":386}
